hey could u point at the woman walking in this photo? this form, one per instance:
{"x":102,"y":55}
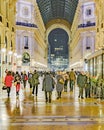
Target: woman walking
{"x":8,"y":82}
{"x":24,"y":79}
{"x":59,"y":85}
{"x":17,"y":80}
{"x":35,"y":82}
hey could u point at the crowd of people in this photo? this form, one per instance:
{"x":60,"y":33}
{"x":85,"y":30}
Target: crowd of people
{"x":51,"y":80}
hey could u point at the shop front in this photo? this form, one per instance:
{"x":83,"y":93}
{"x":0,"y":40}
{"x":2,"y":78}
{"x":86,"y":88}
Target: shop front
{"x":96,"y":64}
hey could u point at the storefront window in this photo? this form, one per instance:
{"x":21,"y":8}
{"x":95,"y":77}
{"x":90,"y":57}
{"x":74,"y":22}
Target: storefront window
{"x":91,"y":67}
{"x":95,"y":66}
{"x":99,"y":65}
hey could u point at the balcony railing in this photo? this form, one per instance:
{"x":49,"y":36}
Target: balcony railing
{"x":26,"y":24}
{"x":86,"y":25}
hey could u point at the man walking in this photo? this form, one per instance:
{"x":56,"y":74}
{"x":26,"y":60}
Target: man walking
{"x":72,"y":78}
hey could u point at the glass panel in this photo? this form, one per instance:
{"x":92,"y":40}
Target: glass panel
{"x":63,"y":9}
{"x":58,"y":49}
{"x":91,"y":67}
{"x":95,"y":66}
{"x":99,"y":65}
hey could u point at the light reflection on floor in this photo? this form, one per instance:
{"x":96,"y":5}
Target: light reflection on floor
{"x":30,"y":112}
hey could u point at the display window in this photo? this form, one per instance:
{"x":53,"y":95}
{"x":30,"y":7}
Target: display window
{"x":99,"y":65}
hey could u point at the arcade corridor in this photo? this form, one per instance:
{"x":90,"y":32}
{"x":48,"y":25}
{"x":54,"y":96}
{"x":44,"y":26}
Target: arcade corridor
{"x":68,"y":113}
{"x":52,"y":35}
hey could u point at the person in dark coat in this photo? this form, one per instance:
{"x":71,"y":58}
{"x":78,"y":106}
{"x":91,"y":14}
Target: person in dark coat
{"x":59,"y":84}
{"x":30,"y":79}
{"x":48,"y":85}
{"x":81,"y":81}
{"x":35,"y":82}
{"x":65,"y":83}
{"x":24,"y":79}
{"x":88,"y":86}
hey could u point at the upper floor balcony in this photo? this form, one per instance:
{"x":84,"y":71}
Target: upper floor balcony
{"x":86,"y":25}
{"x":26,"y":24}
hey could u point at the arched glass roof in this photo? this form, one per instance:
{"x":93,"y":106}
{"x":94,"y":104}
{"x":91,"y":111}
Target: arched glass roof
{"x":57,"y":9}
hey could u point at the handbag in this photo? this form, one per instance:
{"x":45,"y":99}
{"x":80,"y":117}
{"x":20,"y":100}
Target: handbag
{"x":4,"y":88}
{"x":61,"y":81}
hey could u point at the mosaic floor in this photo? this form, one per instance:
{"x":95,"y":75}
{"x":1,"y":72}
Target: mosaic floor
{"x":29,"y":112}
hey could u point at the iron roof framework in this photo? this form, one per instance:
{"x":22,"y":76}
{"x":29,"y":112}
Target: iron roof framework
{"x":57,"y":9}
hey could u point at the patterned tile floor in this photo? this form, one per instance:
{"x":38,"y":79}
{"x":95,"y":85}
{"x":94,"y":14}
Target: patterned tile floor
{"x":68,"y":113}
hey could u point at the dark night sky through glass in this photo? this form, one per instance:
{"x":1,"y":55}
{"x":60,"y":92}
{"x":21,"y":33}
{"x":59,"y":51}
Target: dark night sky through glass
{"x":58,"y":48}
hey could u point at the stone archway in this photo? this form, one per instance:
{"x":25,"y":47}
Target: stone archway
{"x":50,"y":28}
{"x":58,"y":49}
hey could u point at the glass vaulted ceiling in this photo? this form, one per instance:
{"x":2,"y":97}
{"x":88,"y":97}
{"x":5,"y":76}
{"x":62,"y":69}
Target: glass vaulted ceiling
{"x":54,"y":9}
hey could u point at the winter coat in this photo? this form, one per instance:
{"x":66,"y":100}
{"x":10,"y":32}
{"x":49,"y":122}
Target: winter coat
{"x":81,"y":80}
{"x":48,"y":83}
{"x":72,"y":76}
{"x":30,"y":78}
{"x":17,"y":79}
{"x":8,"y":80}
{"x":35,"y":79}
{"x":24,"y":77}
{"x":88,"y":82}
{"x":59,"y":86}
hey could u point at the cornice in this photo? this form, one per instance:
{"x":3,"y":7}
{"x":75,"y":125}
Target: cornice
{"x":25,"y":28}
{"x":58,"y":21}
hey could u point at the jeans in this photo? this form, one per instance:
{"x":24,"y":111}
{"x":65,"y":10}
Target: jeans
{"x":35,"y":86}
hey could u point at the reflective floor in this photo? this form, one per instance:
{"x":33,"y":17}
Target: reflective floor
{"x":68,"y":113}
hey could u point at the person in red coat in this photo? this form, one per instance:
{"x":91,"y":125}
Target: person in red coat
{"x":8,"y":82}
{"x":17,"y":80}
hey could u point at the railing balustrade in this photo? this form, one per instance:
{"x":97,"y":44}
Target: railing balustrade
{"x":26,"y":24}
{"x":86,"y":25}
